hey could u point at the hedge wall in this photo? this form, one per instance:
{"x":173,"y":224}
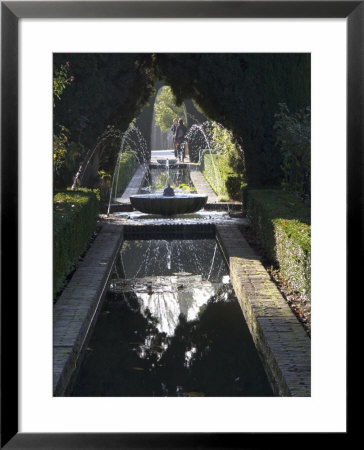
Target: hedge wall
{"x":127,"y":167}
{"x":282,"y":224}
{"x":74,"y":222}
{"x":220,"y":176}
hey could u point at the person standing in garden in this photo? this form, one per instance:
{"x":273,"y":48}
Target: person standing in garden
{"x":179,"y":140}
{"x":173,"y":129}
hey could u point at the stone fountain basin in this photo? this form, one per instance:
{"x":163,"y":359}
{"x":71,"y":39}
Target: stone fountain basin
{"x":168,"y":206}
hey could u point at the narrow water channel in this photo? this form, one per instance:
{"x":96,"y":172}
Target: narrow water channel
{"x":171,"y":325}
{"x":176,"y":176}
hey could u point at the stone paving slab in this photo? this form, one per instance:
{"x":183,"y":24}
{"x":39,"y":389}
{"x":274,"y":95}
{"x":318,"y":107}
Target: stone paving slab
{"x":281,"y":341}
{"x":162,"y":155}
{"x":80,"y":301}
{"x":62,"y":356}
{"x":202,"y":186}
{"x":134,"y":184}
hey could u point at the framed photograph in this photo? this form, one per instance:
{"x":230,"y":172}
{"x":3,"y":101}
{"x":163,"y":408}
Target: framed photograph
{"x":31,"y":33}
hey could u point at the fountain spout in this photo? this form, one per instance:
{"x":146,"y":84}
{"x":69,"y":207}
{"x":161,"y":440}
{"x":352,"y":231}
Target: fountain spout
{"x":168,"y":191}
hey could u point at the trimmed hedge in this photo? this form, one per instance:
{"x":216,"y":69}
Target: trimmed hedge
{"x":74,"y":221}
{"x":128,"y":164}
{"x":220,"y":176}
{"x":282,"y":225}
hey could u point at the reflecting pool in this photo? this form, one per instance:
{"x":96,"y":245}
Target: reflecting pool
{"x":171,"y":325}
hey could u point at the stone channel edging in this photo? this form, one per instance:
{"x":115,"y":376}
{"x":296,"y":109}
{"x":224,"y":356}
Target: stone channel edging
{"x":79,"y":303}
{"x":281,"y":341}
{"x":134,"y":184}
{"x":202,"y":186}
{"x":283,"y":344}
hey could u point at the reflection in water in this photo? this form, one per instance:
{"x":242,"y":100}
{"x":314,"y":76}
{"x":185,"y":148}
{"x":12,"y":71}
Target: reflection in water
{"x":168,"y":297}
{"x":155,"y":273}
{"x":171,"y":328}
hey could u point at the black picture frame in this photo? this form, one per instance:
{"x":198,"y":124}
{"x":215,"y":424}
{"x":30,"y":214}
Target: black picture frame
{"x":11,"y":12}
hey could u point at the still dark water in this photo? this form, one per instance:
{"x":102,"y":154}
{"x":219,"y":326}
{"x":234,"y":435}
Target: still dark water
{"x":171,"y":325}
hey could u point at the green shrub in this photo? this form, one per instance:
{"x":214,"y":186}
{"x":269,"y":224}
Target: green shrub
{"x":234,"y":183}
{"x":223,"y":164}
{"x":294,"y":142}
{"x":104,"y":176}
{"x":220,"y":176}
{"x":187,"y":188}
{"x":128,"y":163}
{"x":293,"y":252}
{"x":281,"y":223}
{"x":74,"y":222}
{"x":104,"y":185}
{"x":204,"y":152}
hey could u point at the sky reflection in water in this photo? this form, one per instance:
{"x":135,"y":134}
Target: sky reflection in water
{"x":171,"y":326}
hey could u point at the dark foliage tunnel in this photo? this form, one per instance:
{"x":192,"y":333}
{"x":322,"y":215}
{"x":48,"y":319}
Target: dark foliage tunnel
{"x":103,"y":93}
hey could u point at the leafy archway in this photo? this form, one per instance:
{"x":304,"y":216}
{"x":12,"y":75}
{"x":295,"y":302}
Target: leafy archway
{"x":107,"y":92}
{"x":243,"y":93}
{"x":240,"y":91}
